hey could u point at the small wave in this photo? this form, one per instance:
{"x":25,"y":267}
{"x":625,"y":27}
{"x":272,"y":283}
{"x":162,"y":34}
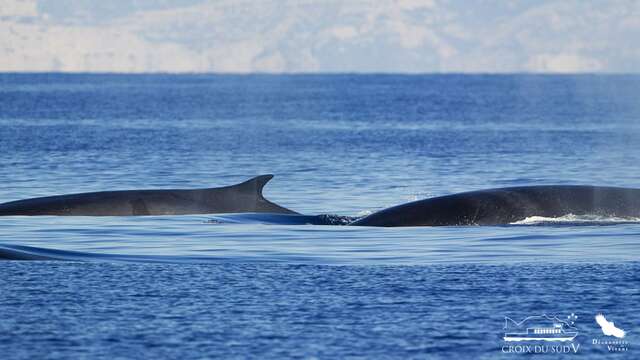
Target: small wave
{"x":571,"y":219}
{"x":20,"y":252}
{"x":281,"y":219}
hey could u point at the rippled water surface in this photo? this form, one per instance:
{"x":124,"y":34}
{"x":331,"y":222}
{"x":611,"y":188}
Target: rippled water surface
{"x":242,"y":286}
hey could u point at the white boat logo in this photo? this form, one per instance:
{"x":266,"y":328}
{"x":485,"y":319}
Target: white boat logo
{"x":540,"y":328}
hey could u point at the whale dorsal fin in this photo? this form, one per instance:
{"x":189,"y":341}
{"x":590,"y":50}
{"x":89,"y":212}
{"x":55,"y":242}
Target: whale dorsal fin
{"x":254,"y":187}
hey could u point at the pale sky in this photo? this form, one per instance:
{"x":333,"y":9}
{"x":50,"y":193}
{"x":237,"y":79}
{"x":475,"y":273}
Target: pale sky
{"x":242,"y":36}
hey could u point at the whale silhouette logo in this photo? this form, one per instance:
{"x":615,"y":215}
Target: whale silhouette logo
{"x":609,"y":328}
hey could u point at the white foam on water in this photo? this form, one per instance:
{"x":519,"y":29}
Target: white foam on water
{"x":364,"y":213}
{"x":571,"y":219}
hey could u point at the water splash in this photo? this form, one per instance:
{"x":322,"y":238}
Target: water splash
{"x":576,"y":220}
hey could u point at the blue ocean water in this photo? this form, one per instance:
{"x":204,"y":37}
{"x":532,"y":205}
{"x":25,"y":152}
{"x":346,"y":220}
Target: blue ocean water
{"x":234,"y":286}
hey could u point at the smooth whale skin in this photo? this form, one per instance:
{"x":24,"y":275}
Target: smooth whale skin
{"x":244,"y":197}
{"x":508,"y":205}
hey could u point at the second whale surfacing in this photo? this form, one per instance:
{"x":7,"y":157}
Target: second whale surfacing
{"x":509,"y":205}
{"x":240,"y":198}
{"x":484,"y":207}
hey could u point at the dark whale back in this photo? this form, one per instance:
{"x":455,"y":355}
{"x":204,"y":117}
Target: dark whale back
{"x":508,"y":205}
{"x":244,"y":197}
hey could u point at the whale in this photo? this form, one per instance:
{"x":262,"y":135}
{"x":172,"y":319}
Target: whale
{"x":500,"y":206}
{"x":503,"y":206}
{"x":245,"y":197}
